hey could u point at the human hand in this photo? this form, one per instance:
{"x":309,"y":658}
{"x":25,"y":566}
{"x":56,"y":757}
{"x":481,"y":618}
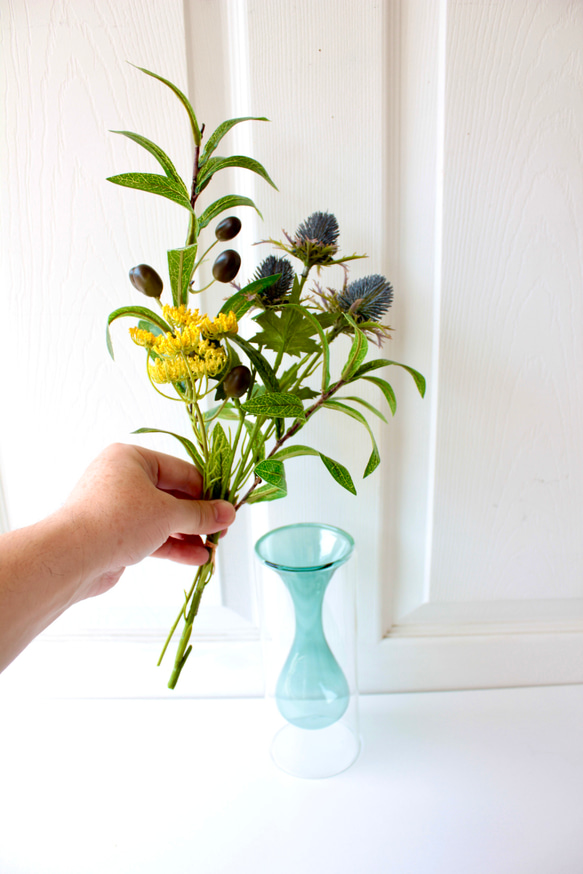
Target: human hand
{"x":132,"y":503}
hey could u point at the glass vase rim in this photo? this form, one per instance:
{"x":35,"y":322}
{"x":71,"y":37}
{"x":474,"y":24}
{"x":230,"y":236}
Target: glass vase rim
{"x":349,"y":548}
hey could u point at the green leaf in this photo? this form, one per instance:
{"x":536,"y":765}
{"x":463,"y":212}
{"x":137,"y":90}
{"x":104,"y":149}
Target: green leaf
{"x":339,"y":472}
{"x":188,"y":445}
{"x":273,"y":472}
{"x":180,"y":268}
{"x":364,"y":403}
{"x":183,"y":99}
{"x":266,"y":493}
{"x":323,"y":341}
{"x":386,"y":389}
{"x":288,"y":329}
{"x":171,"y":189}
{"x":261,"y":364}
{"x":139,"y":312}
{"x":219,"y":206}
{"x":375,"y":458}
{"x":218,"y":134}
{"x":150,"y":326}
{"x":384,"y":362}
{"x":213,"y":165}
{"x":154,"y":150}
{"x":239,"y":302}
{"x":258,"y":444}
{"x":357,"y":352}
{"x":219,"y":463}
{"x":275,"y":405}
{"x":227,"y":411}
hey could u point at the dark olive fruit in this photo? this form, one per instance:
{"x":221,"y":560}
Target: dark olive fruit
{"x":228,"y":228}
{"x":237,"y":381}
{"x":146,"y":280}
{"x":226,"y":265}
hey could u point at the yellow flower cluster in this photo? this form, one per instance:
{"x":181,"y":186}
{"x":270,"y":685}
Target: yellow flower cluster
{"x":191,"y":349}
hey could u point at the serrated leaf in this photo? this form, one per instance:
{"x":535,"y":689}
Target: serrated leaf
{"x":224,"y":203}
{"x":339,"y":472}
{"x":188,"y":445}
{"x":180,"y":268}
{"x":218,"y":134}
{"x":183,"y":99}
{"x":275,"y":405}
{"x":384,"y":362}
{"x":213,"y":165}
{"x":219,"y":463}
{"x":358,"y":352}
{"x":161,"y":156}
{"x":239,"y":302}
{"x":266,"y":493}
{"x":272,"y":471}
{"x":164,"y":186}
{"x":386,"y":389}
{"x":261,"y":364}
{"x":287,"y":329}
{"x":139,"y":312}
{"x":323,"y":343}
{"x":375,"y":458}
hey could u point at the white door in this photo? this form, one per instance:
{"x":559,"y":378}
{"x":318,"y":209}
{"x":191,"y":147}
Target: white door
{"x":447,"y":138}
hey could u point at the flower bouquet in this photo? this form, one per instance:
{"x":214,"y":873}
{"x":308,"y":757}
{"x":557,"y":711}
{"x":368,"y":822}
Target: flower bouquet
{"x":247,"y":399}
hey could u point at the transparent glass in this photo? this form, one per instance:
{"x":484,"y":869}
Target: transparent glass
{"x":309,"y":635}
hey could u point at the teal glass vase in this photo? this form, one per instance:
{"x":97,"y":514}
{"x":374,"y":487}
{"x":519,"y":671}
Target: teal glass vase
{"x":312,"y":691}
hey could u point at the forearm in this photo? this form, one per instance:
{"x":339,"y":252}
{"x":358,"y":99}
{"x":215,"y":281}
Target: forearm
{"x":39,"y":579}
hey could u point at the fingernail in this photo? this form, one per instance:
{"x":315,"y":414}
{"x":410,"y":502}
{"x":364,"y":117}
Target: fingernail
{"x":224,"y":512}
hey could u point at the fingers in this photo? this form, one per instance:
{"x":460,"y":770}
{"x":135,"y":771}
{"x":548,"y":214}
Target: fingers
{"x":172,"y":474}
{"x":202,"y":517}
{"x":185,"y":551}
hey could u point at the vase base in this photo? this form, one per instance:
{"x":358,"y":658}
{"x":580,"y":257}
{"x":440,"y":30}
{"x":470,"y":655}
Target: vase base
{"x":315,"y":754}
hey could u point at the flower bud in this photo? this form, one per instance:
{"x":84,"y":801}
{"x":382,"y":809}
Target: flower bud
{"x":237,"y":381}
{"x":228,"y":228}
{"x":227,"y":265}
{"x":146,"y":280}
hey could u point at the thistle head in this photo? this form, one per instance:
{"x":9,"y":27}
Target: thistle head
{"x":316,"y":240}
{"x":276,"y":293}
{"x":366,"y":299}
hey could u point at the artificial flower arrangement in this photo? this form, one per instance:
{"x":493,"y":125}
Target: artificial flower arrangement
{"x":247,"y":399}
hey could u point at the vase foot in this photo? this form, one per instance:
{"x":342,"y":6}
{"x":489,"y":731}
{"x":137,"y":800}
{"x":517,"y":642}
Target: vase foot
{"x":315,"y":754}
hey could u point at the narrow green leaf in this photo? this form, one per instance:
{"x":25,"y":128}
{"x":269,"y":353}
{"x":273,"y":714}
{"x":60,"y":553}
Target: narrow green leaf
{"x":139,"y":312}
{"x":386,"y":389}
{"x":375,"y":458}
{"x":154,"y":150}
{"x":183,"y":99}
{"x":218,"y":134}
{"x":219,"y":463}
{"x":384,"y":362}
{"x":294,"y":451}
{"x":266,"y":493}
{"x":164,"y":186}
{"x":213,"y":165}
{"x":339,"y":472}
{"x":275,"y":405}
{"x":261,"y":364}
{"x":258,"y":444}
{"x":219,"y":206}
{"x":188,"y":445}
{"x":239,"y":302}
{"x":273,"y":472}
{"x":180,"y":268}
{"x":364,"y":403}
{"x":357,"y":352}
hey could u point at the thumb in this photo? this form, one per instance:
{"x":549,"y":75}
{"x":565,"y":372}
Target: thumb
{"x":202,"y":517}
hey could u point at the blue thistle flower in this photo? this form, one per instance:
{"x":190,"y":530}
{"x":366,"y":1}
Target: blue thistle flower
{"x":316,"y":239}
{"x":366,"y":299}
{"x":277,"y":292}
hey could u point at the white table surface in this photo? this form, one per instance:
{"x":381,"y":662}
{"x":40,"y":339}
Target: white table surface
{"x":485,"y":782}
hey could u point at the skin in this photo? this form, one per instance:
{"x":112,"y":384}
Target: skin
{"x":130,"y":503}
